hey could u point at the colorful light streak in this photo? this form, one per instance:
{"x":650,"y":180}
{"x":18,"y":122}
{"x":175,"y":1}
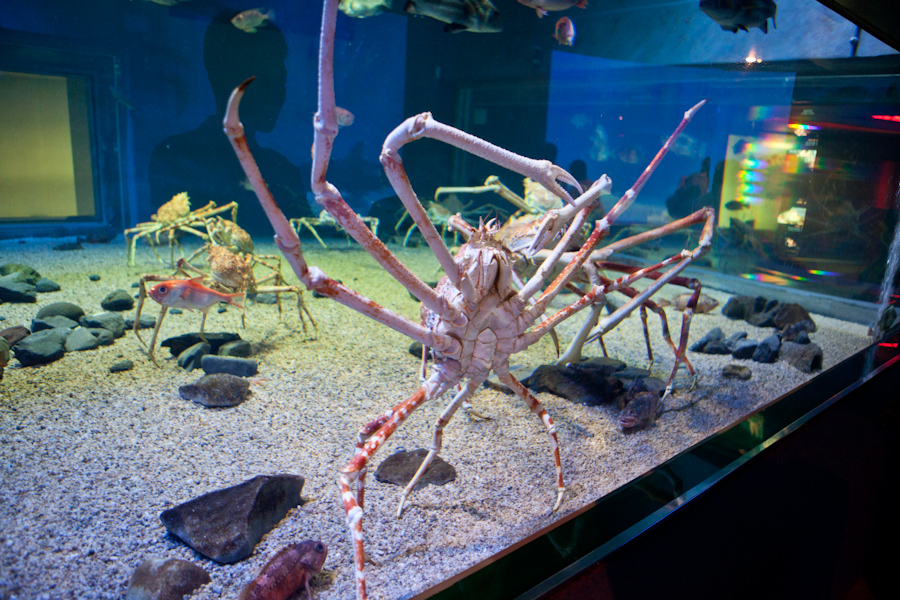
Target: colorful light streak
{"x":802,"y":127}
{"x":895,"y":118}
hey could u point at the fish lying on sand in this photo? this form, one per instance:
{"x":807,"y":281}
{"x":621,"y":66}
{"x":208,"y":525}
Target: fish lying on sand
{"x":705,"y":303}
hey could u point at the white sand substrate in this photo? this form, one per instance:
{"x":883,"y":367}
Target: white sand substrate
{"x":89,"y":458}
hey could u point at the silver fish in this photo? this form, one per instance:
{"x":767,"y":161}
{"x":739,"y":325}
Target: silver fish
{"x":249,"y":20}
{"x":478,"y":16}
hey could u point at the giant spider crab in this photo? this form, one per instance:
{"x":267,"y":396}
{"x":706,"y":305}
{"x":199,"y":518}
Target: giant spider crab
{"x":476,"y":317}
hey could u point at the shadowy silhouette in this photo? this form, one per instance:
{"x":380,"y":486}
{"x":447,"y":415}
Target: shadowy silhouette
{"x":201,"y":162}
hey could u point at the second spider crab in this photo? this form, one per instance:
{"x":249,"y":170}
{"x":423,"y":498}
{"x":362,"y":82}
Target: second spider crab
{"x":325,"y":219}
{"x":172,"y":219}
{"x":477,"y":316}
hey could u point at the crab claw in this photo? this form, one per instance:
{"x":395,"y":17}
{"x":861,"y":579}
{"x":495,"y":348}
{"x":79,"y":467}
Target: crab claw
{"x":550,"y":176}
{"x":550,"y":225}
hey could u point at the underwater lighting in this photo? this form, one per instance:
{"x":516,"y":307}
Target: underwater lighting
{"x":895,"y":118}
{"x":752,"y":58}
{"x":753,"y":163}
{"x":751,"y":189}
{"x":825,"y":273}
{"x":802,"y":127}
{"x":750,"y":176}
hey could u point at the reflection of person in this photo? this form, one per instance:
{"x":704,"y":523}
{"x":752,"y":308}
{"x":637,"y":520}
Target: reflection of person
{"x":201,"y":162}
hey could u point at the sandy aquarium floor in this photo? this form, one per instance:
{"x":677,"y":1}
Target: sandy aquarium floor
{"x":89,"y":458}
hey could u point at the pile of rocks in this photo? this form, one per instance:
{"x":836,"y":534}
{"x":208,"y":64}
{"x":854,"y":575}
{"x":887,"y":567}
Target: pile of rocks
{"x":21,"y":284}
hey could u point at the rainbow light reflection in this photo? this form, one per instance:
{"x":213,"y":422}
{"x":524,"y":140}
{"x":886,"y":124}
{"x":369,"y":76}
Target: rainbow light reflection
{"x":825,"y":273}
{"x":803,"y":127}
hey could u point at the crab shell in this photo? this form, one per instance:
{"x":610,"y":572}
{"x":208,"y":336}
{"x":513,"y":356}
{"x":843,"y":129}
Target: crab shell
{"x":228,"y":269}
{"x":230,"y":234}
{"x":539,"y":197}
{"x":176,"y":208}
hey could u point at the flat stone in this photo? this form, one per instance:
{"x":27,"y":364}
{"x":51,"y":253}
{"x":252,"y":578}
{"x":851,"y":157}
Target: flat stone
{"x":735,"y":371}
{"x":51,"y":322}
{"x":739,"y":307}
{"x":225,"y":525}
{"x":104,"y":336}
{"x":117,"y":300}
{"x":14,"y":335}
{"x":790,"y":314}
{"x":190,"y":358}
{"x":734,"y":338}
{"x":145,"y":323}
{"x":81,"y":339}
{"x":240,"y":367}
{"x":46,"y":286}
{"x":180,"y":343}
{"x":400,"y":467}
{"x":161,"y":579}
{"x":589,"y":384}
{"x":42,"y":347}
{"x":217,"y":390}
{"x":237,"y":348}
{"x":112,"y":321}
{"x":745,"y":349}
{"x":17,"y":292}
{"x":122,"y":365}
{"x":29,"y":275}
{"x":803,"y":357}
{"x":267,"y":298}
{"x":713,"y":335}
{"x":793,"y":331}
{"x":66,"y":309}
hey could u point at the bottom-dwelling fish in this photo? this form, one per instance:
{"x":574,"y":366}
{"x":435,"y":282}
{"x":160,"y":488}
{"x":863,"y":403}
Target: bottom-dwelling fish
{"x":288,"y":571}
{"x":705,"y":303}
{"x":565,"y":31}
{"x":190,"y":294}
{"x":641,"y":411}
{"x":479,"y":16}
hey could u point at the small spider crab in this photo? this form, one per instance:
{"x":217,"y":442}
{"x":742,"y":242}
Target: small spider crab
{"x":325,"y":219}
{"x":439,"y":213}
{"x":172,"y":219}
{"x":477,"y":316}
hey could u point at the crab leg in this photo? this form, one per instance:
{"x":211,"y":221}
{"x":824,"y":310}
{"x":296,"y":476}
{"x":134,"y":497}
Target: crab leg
{"x":355,"y":469}
{"x":537,"y":408}
{"x":437,"y":441}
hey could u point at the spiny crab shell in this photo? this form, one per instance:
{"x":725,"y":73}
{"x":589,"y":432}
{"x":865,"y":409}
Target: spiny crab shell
{"x":537,"y":196}
{"x":228,"y":269}
{"x":231,"y":235}
{"x":176,"y":208}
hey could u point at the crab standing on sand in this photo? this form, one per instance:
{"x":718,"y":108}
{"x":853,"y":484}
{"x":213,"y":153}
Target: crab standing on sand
{"x":476,"y":317}
{"x":325,"y":219}
{"x":173,"y":218}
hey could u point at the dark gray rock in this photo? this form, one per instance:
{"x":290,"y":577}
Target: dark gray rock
{"x":416,"y":350}
{"x":713,"y":335}
{"x":793,"y":331}
{"x":240,"y":367}
{"x":400,"y":467}
{"x":734,"y":338}
{"x":65,"y":309}
{"x":109,"y":320}
{"x":145,"y":323}
{"x":46,"y":286}
{"x":802,"y":338}
{"x":735,"y":371}
{"x":762,"y":319}
{"x":81,"y":339}
{"x":741,"y":307}
{"x":803,"y":357}
{"x":17,"y":292}
{"x":217,"y":390}
{"x":28,"y":274}
{"x":266,"y":298}
{"x":68,"y":246}
{"x":767,"y":351}
{"x":590,"y":382}
{"x":104,"y":336}
{"x":225,"y":525}
{"x":122,"y":365}
{"x":42,"y":347}
{"x":745,"y":349}
{"x":237,"y":348}
{"x":117,"y":300}
{"x":52,"y":322}
{"x":159,"y":579}
{"x":179,"y":344}
{"x":716,"y":347}
{"x":94,"y":277}
{"x":190,"y":358}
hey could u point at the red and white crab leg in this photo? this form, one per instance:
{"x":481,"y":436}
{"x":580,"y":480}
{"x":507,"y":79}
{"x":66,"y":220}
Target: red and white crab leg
{"x":350,"y":486}
{"x":437,"y":440}
{"x":537,"y":408}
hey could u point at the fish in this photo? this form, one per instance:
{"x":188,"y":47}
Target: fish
{"x":363,"y":8}
{"x":288,"y":571}
{"x":732,"y":15}
{"x":630,"y":154}
{"x":249,"y":20}
{"x":736,"y":205}
{"x":599,"y":144}
{"x":190,"y":294}
{"x":542,"y":6}
{"x":478,"y":16}
{"x":705,"y":303}
{"x":344,"y":116}
{"x":642,"y":410}
{"x":580,"y":121}
{"x":684,"y":145}
{"x":565,"y":31}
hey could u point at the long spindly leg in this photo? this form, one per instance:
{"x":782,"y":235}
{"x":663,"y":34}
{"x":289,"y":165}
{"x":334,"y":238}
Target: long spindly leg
{"x":537,"y":408}
{"x":437,"y":440}
{"x":352,"y":476}
{"x":312,"y":230}
{"x":162,"y":313}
